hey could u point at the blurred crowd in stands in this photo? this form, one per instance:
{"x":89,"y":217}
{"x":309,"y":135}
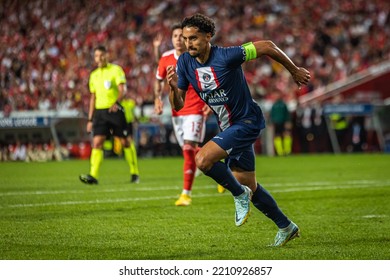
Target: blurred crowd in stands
{"x":46,"y":46}
{"x":29,"y":152}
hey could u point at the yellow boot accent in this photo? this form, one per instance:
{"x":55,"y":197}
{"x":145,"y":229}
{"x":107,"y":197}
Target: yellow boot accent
{"x":184,"y":200}
{"x":220,"y":189}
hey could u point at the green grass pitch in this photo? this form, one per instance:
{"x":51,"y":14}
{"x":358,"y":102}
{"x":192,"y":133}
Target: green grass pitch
{"x":340,"y":202}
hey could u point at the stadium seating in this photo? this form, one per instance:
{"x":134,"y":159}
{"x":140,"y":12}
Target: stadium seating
{"x":45,"y":55}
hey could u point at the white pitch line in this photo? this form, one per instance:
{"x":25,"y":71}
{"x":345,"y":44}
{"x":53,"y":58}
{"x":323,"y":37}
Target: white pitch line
{"x":374,"y":216}
{"x":334,"y":187}
{"x":167,"y":188}
{"x":99,"y":201}
{"x":94,"y":190}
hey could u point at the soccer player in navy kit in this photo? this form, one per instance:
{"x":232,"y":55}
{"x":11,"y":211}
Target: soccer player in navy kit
{"x":217,"y":76}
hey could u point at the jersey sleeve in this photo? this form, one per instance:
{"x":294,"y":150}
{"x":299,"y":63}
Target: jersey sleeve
{"x":182,"y":82}
{"x":91,"y":84}
{"x":120,"y":77}
{"x":161,"y":70}
{"x":234,"y":56}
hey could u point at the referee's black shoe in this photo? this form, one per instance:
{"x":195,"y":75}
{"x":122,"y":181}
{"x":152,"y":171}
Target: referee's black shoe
{"x":88,"y":179}
{"x":134,"y":179}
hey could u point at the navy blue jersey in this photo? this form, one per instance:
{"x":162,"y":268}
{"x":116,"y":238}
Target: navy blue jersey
{"x":221,"y":83}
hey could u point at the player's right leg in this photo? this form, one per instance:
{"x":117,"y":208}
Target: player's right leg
{"x":287,"y":143}
{"x":189,"y":168}
{"x":96,"y":160}
{"x":209,"y":161}
{"x":278,"y":140}
{"x":100,"y":130}
{"x":130,"y":154}
{"x":189,"y":132}
{"x":185,"y":196}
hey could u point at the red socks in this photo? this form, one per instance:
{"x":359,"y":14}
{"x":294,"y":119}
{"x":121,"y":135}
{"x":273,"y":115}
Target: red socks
{"x":189,"y":166}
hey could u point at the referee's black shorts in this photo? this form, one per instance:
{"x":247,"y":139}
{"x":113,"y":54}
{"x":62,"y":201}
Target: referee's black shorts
{"x":279,"y":128}
{"x":130,"y":128}
{"x":106,"y":123}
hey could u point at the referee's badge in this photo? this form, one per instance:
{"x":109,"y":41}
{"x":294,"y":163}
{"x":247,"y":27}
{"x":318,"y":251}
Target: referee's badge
{"x":107,"y":84}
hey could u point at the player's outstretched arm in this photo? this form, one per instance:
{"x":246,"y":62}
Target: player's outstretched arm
{"x":176,"y":95}
{"x":300,"y":75}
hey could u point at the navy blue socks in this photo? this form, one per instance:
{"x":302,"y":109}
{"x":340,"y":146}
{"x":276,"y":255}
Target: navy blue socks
{"x":261,"y":198}
{"x":264,"y":201}
{"x":224,"y":176}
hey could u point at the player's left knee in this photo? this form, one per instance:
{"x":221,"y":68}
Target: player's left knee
{"x":202,"y":162}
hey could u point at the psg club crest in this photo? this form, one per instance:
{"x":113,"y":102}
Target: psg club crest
{"x":206,"y":77}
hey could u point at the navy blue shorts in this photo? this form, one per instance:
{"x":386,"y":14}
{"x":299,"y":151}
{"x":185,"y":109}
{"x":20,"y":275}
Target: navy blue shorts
{"x":237,"y":140}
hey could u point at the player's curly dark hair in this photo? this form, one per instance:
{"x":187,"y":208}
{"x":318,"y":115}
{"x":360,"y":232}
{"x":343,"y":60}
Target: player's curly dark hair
{"x":202,"y":22}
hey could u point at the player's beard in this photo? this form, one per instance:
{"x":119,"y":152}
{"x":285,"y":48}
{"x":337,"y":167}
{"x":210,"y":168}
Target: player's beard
{"x":194,"y":53}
